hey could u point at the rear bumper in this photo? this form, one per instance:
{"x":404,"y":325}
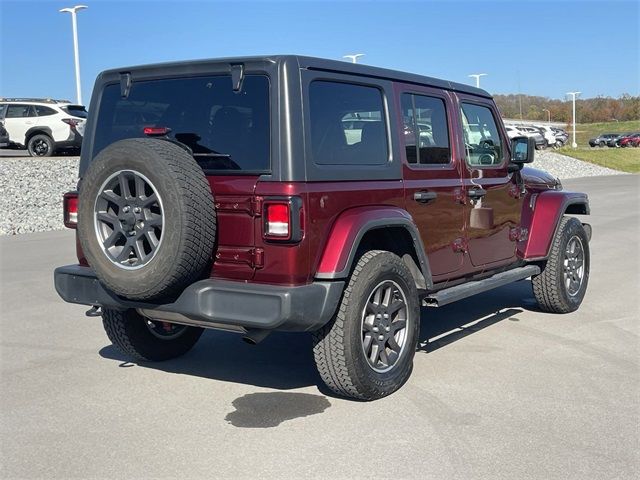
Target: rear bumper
{"x":217,"y":303}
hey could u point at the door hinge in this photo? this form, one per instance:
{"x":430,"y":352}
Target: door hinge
{"x":254,"y":257}
{"x":256,"y":206}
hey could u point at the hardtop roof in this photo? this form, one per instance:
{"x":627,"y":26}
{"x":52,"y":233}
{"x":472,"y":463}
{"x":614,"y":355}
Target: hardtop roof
{"x":314,"y":63}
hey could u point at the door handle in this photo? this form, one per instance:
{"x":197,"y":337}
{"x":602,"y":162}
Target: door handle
{"x":476,"y":193}
{"x":424,"y":197}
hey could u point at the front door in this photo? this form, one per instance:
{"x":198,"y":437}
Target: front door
{"x":494,"y":201}
{"x":19,"y":118}
{"x":432,"y":177}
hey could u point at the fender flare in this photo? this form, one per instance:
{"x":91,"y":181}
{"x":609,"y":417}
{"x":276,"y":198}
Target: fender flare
{"x":548,"y":208}
{"x":341,"y":245}
{"x":35,"y":131}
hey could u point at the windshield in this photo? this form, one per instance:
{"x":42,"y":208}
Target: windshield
{"x":226,"y":130}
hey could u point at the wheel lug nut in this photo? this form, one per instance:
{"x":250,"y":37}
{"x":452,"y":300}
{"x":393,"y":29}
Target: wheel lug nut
{"x":386,"y":315}
{"x":136,"y":210}
{"x":126,"y":209}
{"x":381,"y":337}
{"x":387,"y":328}
{"x":375,"y":329}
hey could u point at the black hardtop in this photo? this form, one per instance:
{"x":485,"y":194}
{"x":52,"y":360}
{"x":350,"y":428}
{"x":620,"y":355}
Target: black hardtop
{"x":304,"y":62}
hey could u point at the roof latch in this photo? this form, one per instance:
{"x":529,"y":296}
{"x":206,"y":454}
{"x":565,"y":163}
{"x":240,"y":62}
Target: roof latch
{"x":237,"y":76}
{"x":125,"y":84}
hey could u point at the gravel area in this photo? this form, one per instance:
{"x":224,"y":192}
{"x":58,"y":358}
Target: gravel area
{"x":31,"y":192}
{"x":31,"y":189}
{"x":563,"y":167}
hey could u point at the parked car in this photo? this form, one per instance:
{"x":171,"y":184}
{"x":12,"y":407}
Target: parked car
{"x":615,"y":141}
{"x":601,"y":140}
{"x":632,"y":140}
{"x":562,"y":137}
{"x":534,"y":133}
{"x":4,"y":136}
{"x":548,"y":134}
{"x":43,"y":126}
{"x":512,"y":132}
{"x":225,"y":213}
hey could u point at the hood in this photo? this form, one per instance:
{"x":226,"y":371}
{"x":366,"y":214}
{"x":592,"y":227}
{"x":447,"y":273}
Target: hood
{"x":539,"y":179}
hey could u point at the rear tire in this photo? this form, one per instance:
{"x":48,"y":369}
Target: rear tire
{"x":348,"y":350}
{"x":148,"y":341}
{"x":40,"y":145}
{"x":562,"y":284}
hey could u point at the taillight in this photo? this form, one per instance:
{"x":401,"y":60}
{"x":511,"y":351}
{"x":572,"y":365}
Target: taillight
{"x":70,"y":209}
{"x":72,"y":122}
{"x":283,"y":219}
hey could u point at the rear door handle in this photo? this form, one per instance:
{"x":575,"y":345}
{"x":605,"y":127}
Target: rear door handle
{"x":476,"y":193}
{"x":424,"y":197}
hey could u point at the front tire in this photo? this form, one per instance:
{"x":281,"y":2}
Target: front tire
{"x":366,"y":351}
{"x":40,"y":146}
{"x":146,"y":340}
{"x":562,"y":284}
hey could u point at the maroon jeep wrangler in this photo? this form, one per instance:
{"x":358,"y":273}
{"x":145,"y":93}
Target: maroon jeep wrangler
{"x":301,"y":194}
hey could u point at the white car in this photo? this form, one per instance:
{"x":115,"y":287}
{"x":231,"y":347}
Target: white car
{"x":549,"y":136}
{"x":512,"y":132}
{"x":43,"y":126}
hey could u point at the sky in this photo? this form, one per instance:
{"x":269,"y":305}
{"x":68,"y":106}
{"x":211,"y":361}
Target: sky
{"x":540,"y":47}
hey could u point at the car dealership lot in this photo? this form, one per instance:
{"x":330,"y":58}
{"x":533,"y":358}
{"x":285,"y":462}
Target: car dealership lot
{"x":498,"y":390}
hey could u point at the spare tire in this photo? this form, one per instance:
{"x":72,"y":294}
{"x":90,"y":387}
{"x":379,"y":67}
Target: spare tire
{"x":146,"y":219}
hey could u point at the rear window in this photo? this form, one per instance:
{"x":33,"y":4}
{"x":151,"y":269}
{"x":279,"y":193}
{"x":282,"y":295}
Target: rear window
{"x":226,"y":130}
{"x":75,"y":110}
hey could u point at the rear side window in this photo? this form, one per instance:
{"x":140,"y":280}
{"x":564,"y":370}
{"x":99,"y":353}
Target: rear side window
{"x":75,"y":110}
{"x":347,"y":124}
{"x":226,"y":130}
{"x":43,"y":111}
{"x":426,"y":134}
{"x":483,"y":144}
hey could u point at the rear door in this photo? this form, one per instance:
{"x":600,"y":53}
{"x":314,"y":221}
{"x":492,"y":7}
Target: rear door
{"x":228,"y":133}
{"x":432,"y":176}
{"x":494,"y":204}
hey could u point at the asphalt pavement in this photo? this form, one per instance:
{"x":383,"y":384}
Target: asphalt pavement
{"x":499,"y":390}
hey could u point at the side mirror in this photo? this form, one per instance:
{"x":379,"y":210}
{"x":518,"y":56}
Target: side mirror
{"x":522,"y":150}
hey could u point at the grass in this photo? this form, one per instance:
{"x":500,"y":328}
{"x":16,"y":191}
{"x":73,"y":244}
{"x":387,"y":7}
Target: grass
{"x":623,"y":159}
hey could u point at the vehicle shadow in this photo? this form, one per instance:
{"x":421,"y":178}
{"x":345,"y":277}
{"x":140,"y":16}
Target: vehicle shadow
{"x":284,"y":361}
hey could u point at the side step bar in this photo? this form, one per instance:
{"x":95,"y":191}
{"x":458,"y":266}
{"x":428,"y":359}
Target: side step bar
{"x":453,"y":294}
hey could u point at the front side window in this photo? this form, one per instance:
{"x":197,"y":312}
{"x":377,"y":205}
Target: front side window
{"x":426,"y":134}
{"x":347,"y":124}
{"x":483,"y":144}
{"x":18,"y":111}
{"x":226,"y":130}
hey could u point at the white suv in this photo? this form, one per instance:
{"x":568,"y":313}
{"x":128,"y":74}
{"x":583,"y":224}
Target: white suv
{"x":43,"y":126}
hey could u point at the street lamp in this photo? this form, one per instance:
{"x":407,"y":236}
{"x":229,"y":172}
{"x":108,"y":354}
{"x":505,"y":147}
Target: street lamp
{"x":477,"y":77}
{"x":548,"y":113}
{"x":573,"y":96}
{"x":354,"y":57}
{"x":74,"y":23}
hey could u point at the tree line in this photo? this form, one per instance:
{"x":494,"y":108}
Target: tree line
{"x":588,"y":110}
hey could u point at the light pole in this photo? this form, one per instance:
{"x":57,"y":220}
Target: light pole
{"x":573,"y":96}
{"x":548,"y":113}
{"x":74,"y":23}
{"x":354,"y":57}
{"x":477,"y":77}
